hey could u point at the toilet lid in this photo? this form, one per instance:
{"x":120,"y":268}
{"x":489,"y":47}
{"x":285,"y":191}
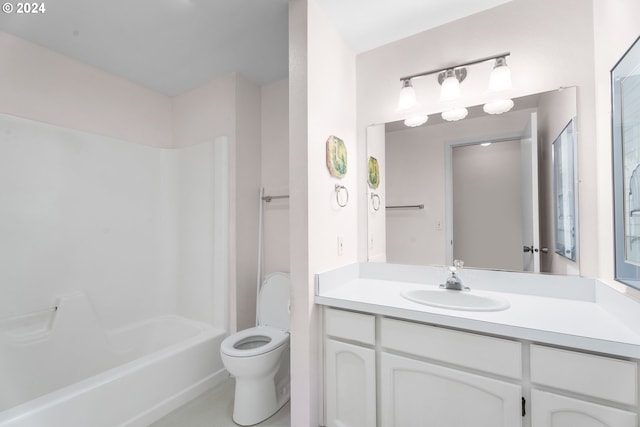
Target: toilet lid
{"x":273,"y":303}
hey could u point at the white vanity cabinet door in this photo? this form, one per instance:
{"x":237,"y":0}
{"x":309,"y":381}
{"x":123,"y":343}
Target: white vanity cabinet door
{"x":350,"y":385}
{"x":552,"y":410}
{"x":419,"y":394}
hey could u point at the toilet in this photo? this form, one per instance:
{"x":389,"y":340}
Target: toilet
{"x":259,"y":357}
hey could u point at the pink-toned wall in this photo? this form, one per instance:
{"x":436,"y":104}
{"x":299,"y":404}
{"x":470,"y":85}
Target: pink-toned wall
{"x":39,"y":84}
{"x":246,"y":197}
{"x":231,"y":106}
{"x":322,"y":98}
{"x":555,"y":110}
{"x":205,"y":112}
{"x":275,"y":176}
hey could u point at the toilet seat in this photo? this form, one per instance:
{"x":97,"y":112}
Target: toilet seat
{"x":276,"y":336}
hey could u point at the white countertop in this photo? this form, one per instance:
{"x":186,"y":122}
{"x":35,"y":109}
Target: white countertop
{"x":589,"y":317}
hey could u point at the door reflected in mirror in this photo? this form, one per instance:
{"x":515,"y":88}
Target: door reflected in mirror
{"x":485,"y":183}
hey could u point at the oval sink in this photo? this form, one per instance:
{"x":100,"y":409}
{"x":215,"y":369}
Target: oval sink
{"x":456,"y":300}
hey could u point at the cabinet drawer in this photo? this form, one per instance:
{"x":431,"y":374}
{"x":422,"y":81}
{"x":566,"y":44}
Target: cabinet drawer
{"x":549,"y":410}
{"x":350,"y":326}
{"x":488,"y":354}
{"x":587,"y":374}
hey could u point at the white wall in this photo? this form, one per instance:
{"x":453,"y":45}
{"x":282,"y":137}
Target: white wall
{"x":322,"y":103}
{"x":542,"y":58}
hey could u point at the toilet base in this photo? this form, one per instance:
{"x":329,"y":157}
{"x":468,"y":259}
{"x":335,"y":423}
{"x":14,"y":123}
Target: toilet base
{"x":258,"y":399}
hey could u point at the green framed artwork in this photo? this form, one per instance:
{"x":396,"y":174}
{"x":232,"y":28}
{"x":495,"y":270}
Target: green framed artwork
{"x":336,"y":157}
{"x":374,"y":173}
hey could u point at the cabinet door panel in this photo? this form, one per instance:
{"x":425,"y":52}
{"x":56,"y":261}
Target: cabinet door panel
{"x":552,"y":410}
{"x":350,"y":385}
{"x":419,"y":394}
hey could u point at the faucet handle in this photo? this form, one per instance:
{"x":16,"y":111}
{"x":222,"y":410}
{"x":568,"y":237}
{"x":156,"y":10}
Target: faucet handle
{"x":458,"y":263}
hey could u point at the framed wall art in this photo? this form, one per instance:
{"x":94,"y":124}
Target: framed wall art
{"x":336,"y":157}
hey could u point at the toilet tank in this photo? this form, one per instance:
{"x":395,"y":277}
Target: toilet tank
{"x":273,"y":301}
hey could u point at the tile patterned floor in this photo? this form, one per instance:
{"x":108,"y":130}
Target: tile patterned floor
{"x":214,"y":409}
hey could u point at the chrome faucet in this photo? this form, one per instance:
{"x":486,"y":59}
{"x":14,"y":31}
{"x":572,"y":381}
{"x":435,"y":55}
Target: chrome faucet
{"x":454,"y":282}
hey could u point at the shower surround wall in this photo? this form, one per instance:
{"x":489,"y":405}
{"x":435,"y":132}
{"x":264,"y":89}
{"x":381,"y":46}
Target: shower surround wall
{"x":48,"y":87}
{"x":140,"y":230}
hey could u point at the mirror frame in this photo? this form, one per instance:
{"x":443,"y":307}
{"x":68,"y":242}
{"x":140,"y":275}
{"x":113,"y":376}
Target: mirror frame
{"x":626,"y":271}
{"x":565,"y":191}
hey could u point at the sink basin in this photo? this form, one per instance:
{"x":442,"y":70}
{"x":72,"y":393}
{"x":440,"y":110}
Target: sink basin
{"x":456,"y":300}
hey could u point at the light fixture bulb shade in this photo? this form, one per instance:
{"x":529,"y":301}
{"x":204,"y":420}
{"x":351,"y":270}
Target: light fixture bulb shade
{"x":498,"y":106}
{"x":417,"y":120}
{"x":450,"y":89}
{"x":407,"y":97}
{"x":500,"y":78}
{"x":455,"y":114}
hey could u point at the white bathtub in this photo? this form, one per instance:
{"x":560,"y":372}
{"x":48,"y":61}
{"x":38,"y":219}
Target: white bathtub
{"x":59,"y":368}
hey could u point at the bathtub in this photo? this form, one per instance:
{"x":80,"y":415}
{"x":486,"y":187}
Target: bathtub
{"x":58,"y":367}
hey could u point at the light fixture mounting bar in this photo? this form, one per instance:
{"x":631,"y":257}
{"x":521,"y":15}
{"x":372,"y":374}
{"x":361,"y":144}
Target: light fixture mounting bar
{"x":439,"y":70}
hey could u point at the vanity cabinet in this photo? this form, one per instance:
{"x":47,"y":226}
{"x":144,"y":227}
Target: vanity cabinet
{"x":381,"y":371}
{"x":350,"y":369}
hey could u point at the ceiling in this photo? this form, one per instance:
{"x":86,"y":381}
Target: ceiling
{"x":172,"y":46}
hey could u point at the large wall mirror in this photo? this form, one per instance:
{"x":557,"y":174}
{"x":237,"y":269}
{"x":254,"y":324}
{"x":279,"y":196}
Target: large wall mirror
{"x":479,"y":189}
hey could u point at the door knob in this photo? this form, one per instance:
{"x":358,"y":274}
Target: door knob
{"x":532,"y":249}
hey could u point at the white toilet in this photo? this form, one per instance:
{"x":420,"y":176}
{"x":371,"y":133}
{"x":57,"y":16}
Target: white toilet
{"x":259,"y":357}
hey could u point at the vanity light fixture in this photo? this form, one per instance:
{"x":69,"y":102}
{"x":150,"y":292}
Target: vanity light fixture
{"x":450,"y":79}
{"x":407,"y":97}
{"x":500,"y":78}
{"x":450,"y":83}
{"x":499,"y":81}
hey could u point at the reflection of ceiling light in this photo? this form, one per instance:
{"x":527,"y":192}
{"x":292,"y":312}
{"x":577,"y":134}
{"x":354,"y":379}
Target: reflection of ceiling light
{"x":485,"y":144}
{"x":498,"y":107}
{"x":455,"y":114}
{"x":407,"y":96}
{"x":417,"y":120}
{"x":500,"y":78}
